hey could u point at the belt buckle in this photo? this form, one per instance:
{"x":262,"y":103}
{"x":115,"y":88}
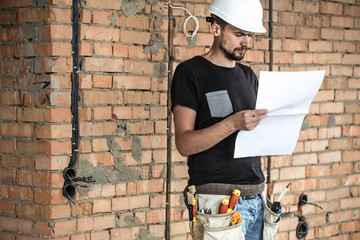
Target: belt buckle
{"x":249,"y":197}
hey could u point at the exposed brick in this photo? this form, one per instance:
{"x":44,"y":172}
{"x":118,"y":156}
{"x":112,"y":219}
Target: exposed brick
{"x":329,"y":157}
{"x":317,"y":21}
{"x":326,"y":183}
{"x":351,"y":11}
{"x":102,"y":205}
{"x":131,"y":82}
{"x":350,"y":155}
{"x":337,"y":194}
{"x":16,"y":224}
{"x":139,"y":67}
{"x":328,"y":231}
{"x":344,"y":22}
{"x":134,"y":37}
{"x":281,"y":31}
{"x":341,"y":216}
{"x":7,"y":235}
{"x":336,"y":107}
{"x":303,"y":6}
{"x":17,"y":192}
{"x":102,"y":97}
{"x":10,"y":161}
{"x":350,"y":226}
{"x":344,"y":46}
{"x":8,"y":146}
{"x":291,"y":18}
{"x":331,"y":8}
{"x":332,"y":34}
{"x":283,"y":5}
{"x":99,"y":33}
{"x":134,"y":202}
{"x":351,"y":180}
{"x":106,"y":4}
{"x":337,"y":144}
{"x":320,"y":46}
{"x":307,"y":33}
{"x":103,"y":49}
{"x":103,"y":64}
{"x":133,"y":21}
{"x":20,"y":3}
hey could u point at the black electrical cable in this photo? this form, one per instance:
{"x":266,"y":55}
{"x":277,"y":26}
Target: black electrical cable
{"x":69,"y":173}
{"x":75,"y":85}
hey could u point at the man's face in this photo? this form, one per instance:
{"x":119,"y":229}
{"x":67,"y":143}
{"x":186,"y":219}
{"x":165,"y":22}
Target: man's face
{"x":234,"y":42}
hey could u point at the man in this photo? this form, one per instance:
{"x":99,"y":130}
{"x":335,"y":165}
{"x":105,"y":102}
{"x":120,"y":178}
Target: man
{"x":213,"y":97}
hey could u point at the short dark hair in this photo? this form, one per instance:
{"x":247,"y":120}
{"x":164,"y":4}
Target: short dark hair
{"x":218,"y":20}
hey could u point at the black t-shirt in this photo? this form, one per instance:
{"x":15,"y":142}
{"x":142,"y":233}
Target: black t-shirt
{"x":216,"y":92}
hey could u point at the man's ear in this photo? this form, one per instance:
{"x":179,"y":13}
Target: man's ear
{"x":215,"y":29}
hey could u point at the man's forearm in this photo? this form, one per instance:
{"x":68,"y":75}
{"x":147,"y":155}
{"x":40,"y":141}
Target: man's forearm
{"x":190,"y":141}
{"x":195,"y":141}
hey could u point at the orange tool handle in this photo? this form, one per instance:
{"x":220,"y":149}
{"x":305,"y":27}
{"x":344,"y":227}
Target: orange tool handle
{"x":224,"y":205}
{"x":235,"y":218}
{"x":233,"y":199}
{"x":194,"y":210}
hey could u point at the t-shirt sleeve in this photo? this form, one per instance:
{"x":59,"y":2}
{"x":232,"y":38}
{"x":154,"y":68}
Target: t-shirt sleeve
{"x":183,"y":89}
{"x":256,"y":83}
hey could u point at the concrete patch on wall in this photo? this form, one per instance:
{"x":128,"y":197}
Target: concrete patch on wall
{"x":182,"y":204}
{"x":132,"y":221}
{"x":152,"y":2}
{"x":118,"y":173}
{"x":160,"y":70}
{"x":192,"y":41}
{"x":156,"y":42}
{"x":131,"y":7}
{"x":331,"y":121}
{"x":143,"y":234}
{"x":136,"y":149}
{"x":305,"y":125}
{"x":122,"y":130}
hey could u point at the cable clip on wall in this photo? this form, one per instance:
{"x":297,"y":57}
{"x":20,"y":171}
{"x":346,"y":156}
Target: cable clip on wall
{"x":186,"y":21}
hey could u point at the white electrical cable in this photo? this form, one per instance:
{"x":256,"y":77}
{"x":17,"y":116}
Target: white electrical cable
{"x":186,"y":21}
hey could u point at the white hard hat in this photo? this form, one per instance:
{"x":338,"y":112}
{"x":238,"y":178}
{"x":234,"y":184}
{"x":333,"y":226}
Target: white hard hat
{"x":243,"y":14}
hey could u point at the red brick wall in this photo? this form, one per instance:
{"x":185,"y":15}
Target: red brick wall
{"x":123,"y":117}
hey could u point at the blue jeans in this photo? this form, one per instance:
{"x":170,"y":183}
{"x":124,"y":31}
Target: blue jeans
{"x":252,"y":217}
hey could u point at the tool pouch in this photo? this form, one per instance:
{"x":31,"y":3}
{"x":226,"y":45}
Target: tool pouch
{"x":271,"y":220}
{"x":214,"y":226}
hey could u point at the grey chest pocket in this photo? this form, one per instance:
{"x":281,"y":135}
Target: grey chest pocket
{"x":219,"y":103}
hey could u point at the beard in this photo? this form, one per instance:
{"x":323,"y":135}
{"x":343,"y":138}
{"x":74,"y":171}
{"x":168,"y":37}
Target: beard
{"x":232,"y":55}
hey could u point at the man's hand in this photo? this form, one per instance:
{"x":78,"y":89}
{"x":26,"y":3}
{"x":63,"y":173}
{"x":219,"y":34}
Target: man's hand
{"x":190,"y":141}
{"x":248,"y":119}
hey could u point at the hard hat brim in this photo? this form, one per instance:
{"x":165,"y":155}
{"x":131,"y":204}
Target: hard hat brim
{"x":255,"y":28}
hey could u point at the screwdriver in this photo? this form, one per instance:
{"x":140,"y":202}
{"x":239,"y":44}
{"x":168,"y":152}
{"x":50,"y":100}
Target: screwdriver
{"x":233,"y":199}
{"x":194,"y":209}
{"x":224,"y":205}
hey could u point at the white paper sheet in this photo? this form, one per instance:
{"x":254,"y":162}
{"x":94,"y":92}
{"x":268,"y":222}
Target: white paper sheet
{"x":287,"y":96}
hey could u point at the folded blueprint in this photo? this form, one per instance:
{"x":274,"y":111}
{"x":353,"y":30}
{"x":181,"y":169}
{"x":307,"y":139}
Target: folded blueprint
{"x":287,"y":96}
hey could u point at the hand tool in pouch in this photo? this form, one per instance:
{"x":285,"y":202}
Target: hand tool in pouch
{"x":194,"y":209}
{"x":235,"y":218}
{"x":276,"y":207}
{"x":224,"y":205}
{"x":233,"y":199}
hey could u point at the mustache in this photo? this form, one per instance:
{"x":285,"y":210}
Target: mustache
{"x":241,"y":48}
